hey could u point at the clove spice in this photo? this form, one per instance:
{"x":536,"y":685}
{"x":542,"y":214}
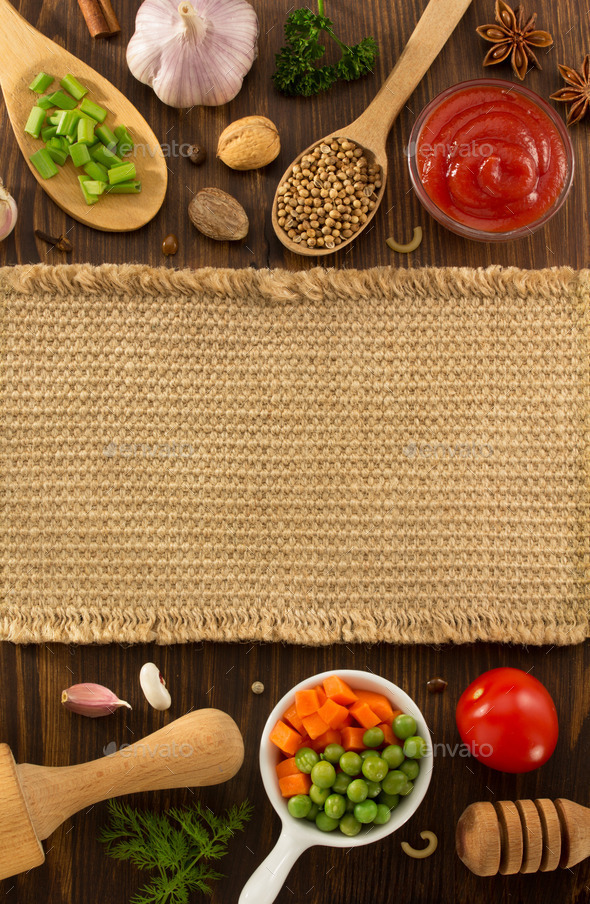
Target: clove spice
{"x":61,"y":242}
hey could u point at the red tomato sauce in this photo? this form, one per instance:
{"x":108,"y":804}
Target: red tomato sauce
{"x":491,"y":159}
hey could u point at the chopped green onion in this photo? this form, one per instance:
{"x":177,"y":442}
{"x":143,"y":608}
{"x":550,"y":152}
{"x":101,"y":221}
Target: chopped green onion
{"x":94,"y":187}
{"x":35,"y":122}
{"x":79,"y":154}
{"x":86,"y":130}
{"x":57,"y":154}
{"x":103,"y":155}
{"x":96,"y":171}
{"x":124,"y":188}
{"x":64,"y":125}
{"x":125,"y":141}
{"x":48,"y":132}
{"x":91,"y":109}
{"x":90,"y":199}
{"x":41,"y":83}
{"x":43,"y":163}
{"x":54,"y":118}
{"x":71,"y":84}
{"x":122,"y":173}
{"x":45,"y":102}
{"x":106,"y":136}
{"x":63,"y":101}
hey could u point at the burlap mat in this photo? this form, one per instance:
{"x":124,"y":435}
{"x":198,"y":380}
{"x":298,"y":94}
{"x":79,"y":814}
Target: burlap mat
{"x":309,"y":457}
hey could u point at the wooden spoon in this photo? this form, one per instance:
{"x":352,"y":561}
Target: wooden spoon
{"x":372,"y":127}
{"x":24,"y":52}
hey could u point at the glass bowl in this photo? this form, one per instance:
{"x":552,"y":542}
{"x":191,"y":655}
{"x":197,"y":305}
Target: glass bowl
{"x":449,"y":222}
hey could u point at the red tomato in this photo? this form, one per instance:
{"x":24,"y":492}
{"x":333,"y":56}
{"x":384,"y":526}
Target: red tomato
{"x":508,"y":720}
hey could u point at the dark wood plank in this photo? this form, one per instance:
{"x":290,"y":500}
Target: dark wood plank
{"x":300,"y":120}
{"x":39,"y":730}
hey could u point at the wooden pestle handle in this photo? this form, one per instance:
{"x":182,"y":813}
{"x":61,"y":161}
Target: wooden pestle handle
{"x":202,"y":748}
{"x":437,"y":23}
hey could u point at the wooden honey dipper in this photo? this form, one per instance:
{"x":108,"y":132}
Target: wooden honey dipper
{"x":522,"y":836}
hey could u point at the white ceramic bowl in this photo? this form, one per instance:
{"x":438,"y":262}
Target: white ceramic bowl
{"x":298,"y":834}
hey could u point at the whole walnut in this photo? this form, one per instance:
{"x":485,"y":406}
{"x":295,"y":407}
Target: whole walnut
{"x":249,"y":143}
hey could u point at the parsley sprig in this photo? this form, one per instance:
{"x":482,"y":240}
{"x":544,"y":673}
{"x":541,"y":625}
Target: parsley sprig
{"x":297,"y":70}
{"x":179,"y":845}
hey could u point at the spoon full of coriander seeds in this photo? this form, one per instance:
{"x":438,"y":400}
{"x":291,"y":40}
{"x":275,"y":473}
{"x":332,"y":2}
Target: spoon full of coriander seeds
{"x":332,"y":191}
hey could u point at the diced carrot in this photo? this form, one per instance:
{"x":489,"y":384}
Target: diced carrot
{"x":314,"y":725}
{"x":331,"y":736}
{"x":333,"y":713}
{"x":352,"y":738}
{"x":295,"y":784}
{"x":378,"y":703}
{"x":285,"y":738}
{"x":306,"y":702}
{"x":364,"y":715}
{"x":305,"y":741}
{"x":287,"y":767}
{"x":338,"y":690}
{"x":290,"y":716}
{"x":321,"y":694}
{"x":389,"y":737}
{"x":348,"y":721}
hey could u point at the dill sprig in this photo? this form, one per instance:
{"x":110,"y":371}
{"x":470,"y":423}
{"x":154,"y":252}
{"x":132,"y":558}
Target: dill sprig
{"x":179,"y":845}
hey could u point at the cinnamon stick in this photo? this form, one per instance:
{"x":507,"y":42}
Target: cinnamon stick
{"x":95,"y":19}
{"x":110,"y":16}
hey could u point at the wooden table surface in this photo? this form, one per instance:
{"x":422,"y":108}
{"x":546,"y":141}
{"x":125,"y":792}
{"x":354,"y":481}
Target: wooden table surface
{"x":32,"y":720}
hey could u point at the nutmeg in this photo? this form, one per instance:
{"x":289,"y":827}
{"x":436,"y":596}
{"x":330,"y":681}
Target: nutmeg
{"x":218,"y":215}
{"x":249,"y":143}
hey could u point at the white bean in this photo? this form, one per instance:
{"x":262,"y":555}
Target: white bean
{"x":154,"y":686}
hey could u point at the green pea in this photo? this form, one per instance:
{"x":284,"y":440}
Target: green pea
{"x":391,"y":801}
{"x":393,"y":756}
{"x":373,"y":737}
{"x":404,"y":726}
{"x":313,"y":812}
{"x":323,"y":774}
{"x":319,"y":795}
{"x":325,"y":823}
{"x":335,"y":806}
{"x":333,"y":752}
{"x":358,"y":790}
{"x":350,"y":763}
{"x":374,"y":789}
{"x":349,"y":825}
{"x":341,"y":782}
{"x":299,"y":806}
{"x":407,"y":789}
{"x":366,"y":811}
{"x":411,"y":769}
{"x":383,"y":815}
{"x":305,"y":759}
{"x":375,"y":769}
{"x":367,"y":753}
{"x":393,"y":782}
{"x":415,"y":747}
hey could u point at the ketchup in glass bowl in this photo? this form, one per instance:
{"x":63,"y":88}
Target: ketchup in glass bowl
{"x":490,"y":160}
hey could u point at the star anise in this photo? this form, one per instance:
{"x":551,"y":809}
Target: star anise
{"x":515,"y":37}
{"x":578,"y":94}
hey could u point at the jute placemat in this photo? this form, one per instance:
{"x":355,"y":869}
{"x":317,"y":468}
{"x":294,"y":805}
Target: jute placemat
{"x":308,"y":457}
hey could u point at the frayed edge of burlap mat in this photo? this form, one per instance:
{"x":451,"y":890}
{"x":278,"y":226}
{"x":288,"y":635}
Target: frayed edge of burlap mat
{"x":568,"y":625}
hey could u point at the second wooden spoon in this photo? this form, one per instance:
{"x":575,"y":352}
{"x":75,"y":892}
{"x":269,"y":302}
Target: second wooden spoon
{"x":372,"y":127}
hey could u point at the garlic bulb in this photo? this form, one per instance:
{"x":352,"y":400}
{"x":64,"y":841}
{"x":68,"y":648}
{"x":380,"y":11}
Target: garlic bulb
{"x":195,"y":52}
{"x":8,"y":213}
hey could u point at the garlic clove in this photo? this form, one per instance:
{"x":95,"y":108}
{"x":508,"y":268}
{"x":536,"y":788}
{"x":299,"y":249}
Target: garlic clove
{"x":92,"y":700}
{"x":154,"y":686}
{"x":196,"y":52}
{"x":8,"y":213}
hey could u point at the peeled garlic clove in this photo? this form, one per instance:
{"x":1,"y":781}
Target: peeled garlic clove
{"x":154,"y":686}
{"x":249,"y":143}
{"x":8,"y":213}
{"x":91,"y":700}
